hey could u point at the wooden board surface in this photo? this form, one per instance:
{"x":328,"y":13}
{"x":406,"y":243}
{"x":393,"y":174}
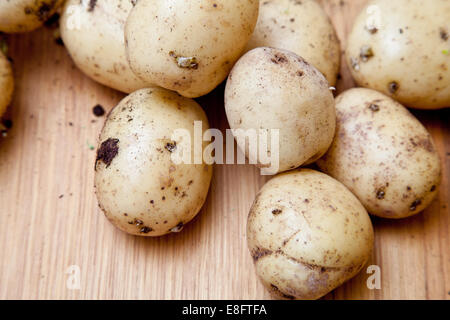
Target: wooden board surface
{"x":49,"y":218}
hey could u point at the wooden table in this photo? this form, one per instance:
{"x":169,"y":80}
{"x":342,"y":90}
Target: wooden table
{"x":49,"y":218}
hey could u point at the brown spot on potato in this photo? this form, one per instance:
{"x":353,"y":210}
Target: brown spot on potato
{"x":259,"y":253}
{"x":415,"y":204}
{"x":279,"y":58}
{"x":171,"y":147}
{"x":107,"y":151}
{"x":92,"y":4}
{"x":374,"y":107}
{"x":146,"y":230}
{"x":393,"y":87}
{"x":276,"y":211}
{"x":443,"y":34}
{"x":366,"y":53}
{"x":185,"y":62}
{"x":381,"y":194}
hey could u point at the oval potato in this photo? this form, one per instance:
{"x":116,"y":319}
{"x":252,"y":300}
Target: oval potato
{"x":383,"y":154}
{"x":276,"y":89}
{"x":139,"y":187}
{"x":6,"y":83}
{"x":307,"y":235}
{"x":94,"y":37}
{"x":301,"y":27}
{"x":401,"y":48}
{"x":18,"y":16}
{"x":188,"y":46}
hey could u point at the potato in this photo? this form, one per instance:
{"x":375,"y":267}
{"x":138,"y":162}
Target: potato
{"x":94,"y":36}
{"x":139,"y":187}
{"x":276,"y":89}
{"x":401,"y":48}
{"x":301,"y":27}
{"x":25,"y":15}
{"x":307,"y":235}
{"x":6,"y":83}
{"x":383,"y":155}
{"x":188,"y":46}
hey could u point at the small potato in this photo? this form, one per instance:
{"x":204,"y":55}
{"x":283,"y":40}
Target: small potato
{"x":401,"y":48}
{"x":276,"y":89}
{"x":18,"y":16}
{"x":139,"y":187}
{"x":188,"y":46}
{"x":307,"y":235}
{"x":6,"y":83}
{"x":383,"y":154}
{"x":301,"y":27}
{"x":93,"y":33}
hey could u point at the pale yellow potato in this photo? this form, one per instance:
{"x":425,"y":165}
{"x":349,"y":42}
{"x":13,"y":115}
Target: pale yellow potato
{"x":94,"y":37}
{"x":302,"y":27}
{"x":401,"y":48}
{"x":383,"y":154}
{"x":18,"y":16}
{"x":188,"y":46}
{"x":276,"y":89}
{"x":139,"y":187}
{"x":307,"y":234}
{"x":6,"y":83}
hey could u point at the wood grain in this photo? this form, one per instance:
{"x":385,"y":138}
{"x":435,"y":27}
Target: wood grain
{"x":49,"y":218}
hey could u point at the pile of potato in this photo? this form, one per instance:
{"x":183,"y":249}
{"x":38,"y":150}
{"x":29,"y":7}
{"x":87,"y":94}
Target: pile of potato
{"x":308,"y":232}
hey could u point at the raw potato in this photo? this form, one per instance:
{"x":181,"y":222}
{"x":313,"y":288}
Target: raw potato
{"x":301,"y":27}
{"x":401,"y":48}
{"x":94,"y":37}
{"x":276,"y":89}
{"x":25,"y":15}
{"x":139,"y":188}
{"x":6,"y":83}
{"x":307,"y":235}
{"x":383,"y":155}
{"x":188,"y":46}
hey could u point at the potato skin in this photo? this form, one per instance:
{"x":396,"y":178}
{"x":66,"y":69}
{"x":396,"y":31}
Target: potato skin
{"x":301,"y":27}
{"x":97,"y":44}
{"x":188,"y":46}
{"x":6,"y":83}
{"x":383,"y":154}
{"x":138,"y":186}
{"x":17,"y":16}
{"x":307,"y":235}
{"x":400,"y":48}
{"x":276,"y":89}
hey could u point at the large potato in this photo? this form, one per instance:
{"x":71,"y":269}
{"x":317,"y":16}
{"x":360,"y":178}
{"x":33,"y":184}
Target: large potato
{"x":25,"y":15}
{"x":301,"y":27}
{"x":383,"y":155}
{"x":307,"y":235}
{"x":139,"y":187}
{"x":276,"y":89}
{"x":6,"y":83}
{"x":188,"y":46}
{"x":94,"y":36}
{"x":401,"y":48}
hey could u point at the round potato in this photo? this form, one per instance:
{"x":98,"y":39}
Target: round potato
{"x":188,"y":46}
{"x":93,"y":33}
{"x":307,"y":235}
{"x":383,"y":155}
{"x":6,"y":83}
{"x":301,"y":27}
{"x":25,"y":15}
{"x":139,"y":186}
{"x":274,"y":89}
{"x":401,"y":48}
